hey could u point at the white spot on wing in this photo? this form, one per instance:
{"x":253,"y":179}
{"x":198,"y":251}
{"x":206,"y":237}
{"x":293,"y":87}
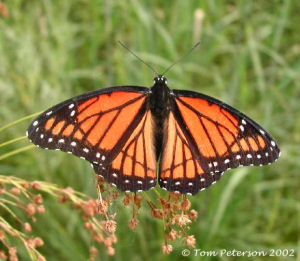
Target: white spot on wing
{"x":249,"y":156}
{"x":226,"y":161}
{"x":35,"y":123}
{"x":73,"y":143}
{"x":61,"y":141}
{"x":71,"y":105}
{"x":98,"y":155}
{"x":273,"y":143}
{"x":85,"y":150}
{"x":49,"y":113}
{"x":72,"y":113}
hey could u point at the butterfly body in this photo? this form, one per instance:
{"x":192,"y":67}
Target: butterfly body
{"x":125,"y":131}
{"x":159,"y":104}
{"x":160,"y":98}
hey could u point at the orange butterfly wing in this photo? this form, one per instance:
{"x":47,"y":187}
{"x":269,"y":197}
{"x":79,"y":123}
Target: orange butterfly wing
{"x":134,"y":167}
{"x":204,"y":137}
{"x":96,"y":126}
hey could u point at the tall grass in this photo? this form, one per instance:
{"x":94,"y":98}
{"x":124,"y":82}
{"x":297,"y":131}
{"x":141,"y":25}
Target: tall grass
{"x":249,"y":57}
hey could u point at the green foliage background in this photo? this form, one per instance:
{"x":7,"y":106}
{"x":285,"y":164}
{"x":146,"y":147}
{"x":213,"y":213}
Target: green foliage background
{"x":249,"y":57}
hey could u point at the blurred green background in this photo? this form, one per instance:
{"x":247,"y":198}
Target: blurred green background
{"x":249,"y":57}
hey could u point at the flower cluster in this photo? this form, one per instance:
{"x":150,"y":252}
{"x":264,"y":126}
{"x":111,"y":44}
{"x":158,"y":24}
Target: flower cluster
{"x":18,"y":194}
{"x":27,"y":197}
{"x":174,"y":210}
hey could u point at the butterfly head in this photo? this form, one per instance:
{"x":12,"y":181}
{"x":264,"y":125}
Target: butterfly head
{"x":160,"y":79}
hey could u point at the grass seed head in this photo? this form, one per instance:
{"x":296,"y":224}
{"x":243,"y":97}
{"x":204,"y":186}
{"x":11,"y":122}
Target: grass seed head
{"x":166,"y":249}
{"x":190,"y":241}
{"x":133,"y":223}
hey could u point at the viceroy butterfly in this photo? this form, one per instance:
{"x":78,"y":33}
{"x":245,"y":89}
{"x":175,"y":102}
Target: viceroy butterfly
{"x":125,"y":131}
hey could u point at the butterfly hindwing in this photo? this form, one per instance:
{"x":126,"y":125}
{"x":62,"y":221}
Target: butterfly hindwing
{"x":134,"y":167}
{"x":214,"y":137}
{"x":179,"y":167}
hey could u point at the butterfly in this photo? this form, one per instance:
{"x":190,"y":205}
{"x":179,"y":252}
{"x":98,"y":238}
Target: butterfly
{"x":131,"y":133}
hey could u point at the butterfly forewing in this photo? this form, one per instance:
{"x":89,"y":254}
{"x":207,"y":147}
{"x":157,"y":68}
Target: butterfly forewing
{"x":94,"y":126}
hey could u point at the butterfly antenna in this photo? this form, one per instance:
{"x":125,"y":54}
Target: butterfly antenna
{"x":148,"y":65}
{"x":181,"y":58}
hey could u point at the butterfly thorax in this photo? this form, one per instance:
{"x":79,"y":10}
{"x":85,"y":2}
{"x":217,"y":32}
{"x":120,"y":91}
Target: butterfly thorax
{"x":159,"y":98}
{"x":160,"y":108}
